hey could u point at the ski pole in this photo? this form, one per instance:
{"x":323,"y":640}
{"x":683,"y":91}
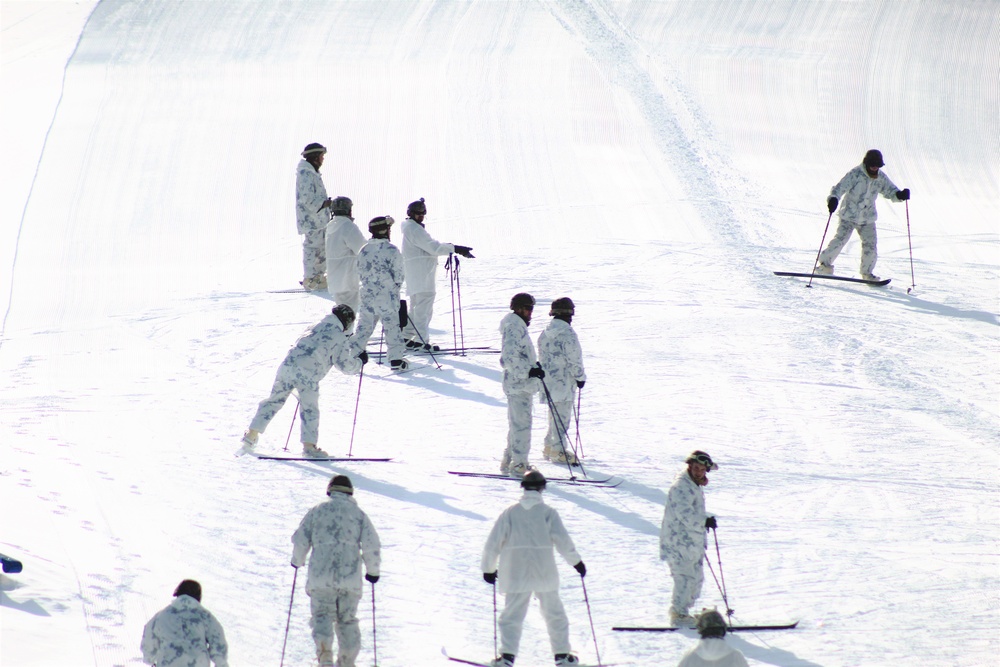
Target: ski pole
{"x":820,"y":251}
{"x":458,"y":289}
{"x":576,"y":416}
{"x":380,"y":337}
{"x":592,"y":631}
{"x":289,"y":622}
{"x":909,"y":241}
{"x":292,"y":425}
{"x":721,"y":586}
{"x":357,"y":401}
{"x":427,"y":347}
{"x":374,"y":635}
{"x":451,"y":282}
{"x":495,"y":645}
{"x":561,"y":426}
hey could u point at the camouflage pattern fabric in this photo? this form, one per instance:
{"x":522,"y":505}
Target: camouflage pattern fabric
{"x":310,"y":220}
{"x":869,"y":244}
{"x":857,"y":192}
{"x":341,"y":537}
{"x":184,"y":634}
{"x":380,"y":267}
{"x":562,"y":359}
{"x":682,"y":539}
{"x":335,"y":613}
{"x":343,"y":243}
{"x":313,"y":256}
{"x":556,"y":438}
{"x":517,"y":357}
{"x":420,"y":257}
{"x":713,"y":652}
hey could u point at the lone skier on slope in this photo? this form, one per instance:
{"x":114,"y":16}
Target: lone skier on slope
{"x":520,"y":370}
{"x":311,"y":216}
{"x":420,"y":253}
{"x":682,"y":534}
{"x":381,"y":269}
{"x":343,"y":243}
{"x":184,"y":633}
{"x":341,"y":537}
{"x":858,"y":189}
{"x":325,"y":345}
{"x":712,"y":650}
{"x":560,"y":354}
{"x":522,"y":540}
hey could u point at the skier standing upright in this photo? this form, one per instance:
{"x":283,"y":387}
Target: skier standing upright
{"x":420,"y":253}
{"x":184,"y":634}
{"x":311,"y":216}
{"x":381,"y":269}
{"x":343,"y":243}
{"x":521,"y":377}
{"x":341,"y":538}
{"x":522,"y":541}
{"x":682,"y":534}
{"x":561,"y":356}
{"x":856,"y":193}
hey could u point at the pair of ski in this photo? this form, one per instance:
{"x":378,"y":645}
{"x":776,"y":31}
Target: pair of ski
{"x":322,"y":459}
{"x":486,"y":664}
{"x":420,"y":352}
{"x":876,"y":283}
{"x":734,"y":628}
{"x":604,"y":483}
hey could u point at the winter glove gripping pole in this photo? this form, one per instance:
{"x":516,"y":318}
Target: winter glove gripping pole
{"x":490,"y":578}
{"x":288,"y":623}
{"x":831,"y":204}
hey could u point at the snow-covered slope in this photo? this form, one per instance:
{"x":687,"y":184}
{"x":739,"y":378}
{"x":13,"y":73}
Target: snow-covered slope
{"x":655,"y":162}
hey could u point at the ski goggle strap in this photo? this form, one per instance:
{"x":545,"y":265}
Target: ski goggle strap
{"x":703,"y":459}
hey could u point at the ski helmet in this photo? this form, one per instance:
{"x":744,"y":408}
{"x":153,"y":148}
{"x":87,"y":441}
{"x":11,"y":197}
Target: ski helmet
{"x":873,"y":158}
{"x":710,"y":623}
{"x":381,"y":223}
{"x":533,"y":481}
{"x":341,"y":206}
{"x":341,"y":483}
{"x":313,"y":148}
{"x":522,"y":300}
{"x":189,"y":587}
{"x":416,"y":208}
{"x":345,"y":314}
{"x":698,"y":456}
{"x":562,"y":306}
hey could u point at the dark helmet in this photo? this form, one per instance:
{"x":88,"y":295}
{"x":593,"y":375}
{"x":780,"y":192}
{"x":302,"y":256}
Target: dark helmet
{"x":381,"y":223}
{"x":341,"y":206}
{"x":710,"y":623}
{"x":189,"y":587}
{"x":873,"y":158}
{"x":533,"y":481}
{"x":416,"y":208}
{"x":698,"y":456}
{"x":345,"y":314}
{"x":522,"y":300}
{"x":341,"y":483}
{"x":562,"y":306}
{"x":313,"y":148}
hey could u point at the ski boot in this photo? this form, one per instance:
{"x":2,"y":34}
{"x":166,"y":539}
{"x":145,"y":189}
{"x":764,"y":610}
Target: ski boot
{"x":311,"y":450}
{"x":681,"y":620}
{"x":504,"y":660}
{"x":566,"y":659}
{"x":824,"y":269}
{"x":398,"y":364}
{"x":566,"y":457}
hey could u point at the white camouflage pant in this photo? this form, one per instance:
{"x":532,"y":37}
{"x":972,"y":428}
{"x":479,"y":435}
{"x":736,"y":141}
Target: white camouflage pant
{"x":308,"y":405}
{"x":869,"y":243}
{"x":688,"y":579}
{"x":350,"y":298}
{"x":314,"y":254}
{"x":518,"y":428}
{"x":420,"y":309}
{"x":336,"y":611}
{"x":512,"y":621}
{"x":565,"y":410}
{"x":373,"y":312}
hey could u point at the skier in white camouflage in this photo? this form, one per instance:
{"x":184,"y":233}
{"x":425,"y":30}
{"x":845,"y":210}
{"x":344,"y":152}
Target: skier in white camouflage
{"x":381,"y":269}
{"x":343,"y":243}
{"x":184,"y":634}
{"x":682,"y":534}
{"x":325,"y":345}
{"x":712,"y":650}
{"x":561,"y":356}
{"x":420,"y":253}
{"x":523,"y":541}
{"x":521,"y":376}
{"x":341,"y":538}
{"x":855,"y":194}
{"x":311,"y":216}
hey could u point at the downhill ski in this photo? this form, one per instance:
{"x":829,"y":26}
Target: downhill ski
{"x":487,"y":664}
{"x":877,"y":283}
{"x":734,"y":628}
{"x":605,"y":483}
{"x":321,"y":459}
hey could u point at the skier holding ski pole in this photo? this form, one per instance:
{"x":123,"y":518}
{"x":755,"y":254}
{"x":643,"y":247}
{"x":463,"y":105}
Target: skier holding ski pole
{"x":561,"y":356}
{"x":521,"y":377}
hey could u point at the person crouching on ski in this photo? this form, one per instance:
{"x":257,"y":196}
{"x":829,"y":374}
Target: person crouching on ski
{"x":522,"y":540}
{"x":341,"y":538}
{"x":560,"y":354}
{"x":380,"y":267}
{"x":325,"y":345}
{"x":682,"y":534}
{"x":712,"y":650}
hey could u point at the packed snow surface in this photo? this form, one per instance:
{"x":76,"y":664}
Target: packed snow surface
{"x":655,"y":161}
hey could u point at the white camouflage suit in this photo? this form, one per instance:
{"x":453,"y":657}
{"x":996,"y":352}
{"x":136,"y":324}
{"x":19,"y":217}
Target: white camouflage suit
{"x":343,"y":243}
{"x":340,"y":536}
{"x":857,"y":192}
{"x":682,"y":540}
{"x":381,"y":269}
{"x":562,"y":360}
{"x":517,"y":357}
{"x":713,"y":652}
{"x":310,"y":193}
{"x":184,"y":634}
{"x":420,"y":253}
{"x":522,"y":541}
{"x":324,"y":346}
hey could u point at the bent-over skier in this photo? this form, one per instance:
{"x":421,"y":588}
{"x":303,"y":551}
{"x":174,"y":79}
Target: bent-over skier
{"x":381,"y":269}
{"x":184,"y":633}
{"x":517,"y":357}
{"x":712,"y":650}
{"x":561,"y":356}
{"x":343,"y":243}
{"x":311,"y":216}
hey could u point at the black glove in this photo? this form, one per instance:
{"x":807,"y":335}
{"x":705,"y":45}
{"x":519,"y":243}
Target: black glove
{"x":831,"y":204}
{"x":371,"y":578}
{"x":581,"y":568}
{"x":295,"y":566}
{"x":363,"y":357}
{"x":903,"y":194}
{"x":536,"y":372}
{"x":464,"y":251}
{"x":580,"y":383}
{"x":711,"y":523}
{"x":490,"y":577}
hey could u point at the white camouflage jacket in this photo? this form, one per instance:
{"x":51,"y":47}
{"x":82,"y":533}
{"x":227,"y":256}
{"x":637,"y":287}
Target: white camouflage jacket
{"x":420,"y":253}
{"x":184,"y":634}
{"x":713,"y":652}
{"x":340,"y":536}
{"x":522,"y":541}
{"x":381,"y":269}
{"x":517,"y":356}
{"x":562,"y":360}
{"x":857,"y":192}
{"x":310,"y":193}
{"x":324,"y":346}
{"x":343,"y":243}
{"x":682,"y":533}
